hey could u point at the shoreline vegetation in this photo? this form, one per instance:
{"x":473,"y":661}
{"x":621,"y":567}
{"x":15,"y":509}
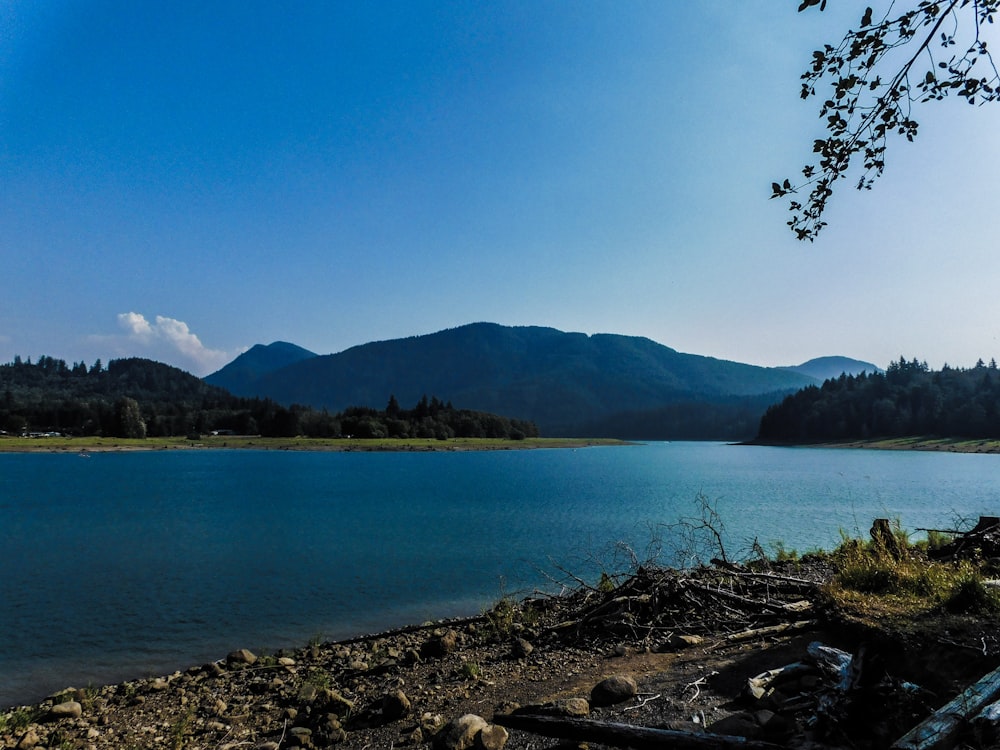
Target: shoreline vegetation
{"x":91,"y":444}
{"x":85,"y":445}
{"x":912,"y":443}
{"x":853,"y":647}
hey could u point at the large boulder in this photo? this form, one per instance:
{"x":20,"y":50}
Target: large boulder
{"x":615,"y":689}
{"x":65,"y":710}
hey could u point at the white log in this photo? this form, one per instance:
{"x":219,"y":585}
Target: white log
{"x":938,"y":731}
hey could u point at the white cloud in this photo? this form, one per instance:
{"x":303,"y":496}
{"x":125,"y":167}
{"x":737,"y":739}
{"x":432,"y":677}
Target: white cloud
{"x":167,"y":340}
{"x":135,"y":324}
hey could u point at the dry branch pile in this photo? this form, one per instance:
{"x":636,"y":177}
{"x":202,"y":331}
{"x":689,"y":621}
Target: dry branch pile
{"x":982,"y":541}
{"x":666,"y":608}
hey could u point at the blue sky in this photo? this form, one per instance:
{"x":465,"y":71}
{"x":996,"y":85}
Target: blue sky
{"x":184,"y":180}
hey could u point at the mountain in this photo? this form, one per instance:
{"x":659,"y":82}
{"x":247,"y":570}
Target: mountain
{"x":825,"y":368}
{"x":566,"y":383}
{"x":240,"y":374}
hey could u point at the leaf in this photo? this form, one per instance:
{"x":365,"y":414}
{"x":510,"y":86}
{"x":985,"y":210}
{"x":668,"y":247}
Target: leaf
{"x":866,"y":19}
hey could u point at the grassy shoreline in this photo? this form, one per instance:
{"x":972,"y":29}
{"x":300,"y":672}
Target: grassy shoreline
{"x":252,"y":442}
{"x":913,"y":443}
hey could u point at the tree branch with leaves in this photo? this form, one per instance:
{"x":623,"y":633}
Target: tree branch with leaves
{"x":874,"y":78}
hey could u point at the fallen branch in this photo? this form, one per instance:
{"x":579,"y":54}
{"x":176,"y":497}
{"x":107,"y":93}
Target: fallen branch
{"x":697,"y":686}
{"x":645,"y":699}
{"x":940,"y":728}
{"x":747,"y":635}
{"x":626,"y":735}
{"x":723,"y":594}
{"x":775,"y":577}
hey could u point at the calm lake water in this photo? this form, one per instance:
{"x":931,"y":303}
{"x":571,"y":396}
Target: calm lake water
{"x":128,"y":565}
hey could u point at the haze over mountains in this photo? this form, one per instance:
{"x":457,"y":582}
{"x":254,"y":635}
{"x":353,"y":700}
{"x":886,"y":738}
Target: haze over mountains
{"x":567,"y":383}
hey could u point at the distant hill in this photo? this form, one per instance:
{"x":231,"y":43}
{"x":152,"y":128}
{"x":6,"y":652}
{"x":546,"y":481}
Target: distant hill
{"x":566,"y":383}
{"x":137,"y":398}
{"x":240,"y":374}
{"x":52,"y":396}
{"x":824,"y":368}
{"x":907,"y":399}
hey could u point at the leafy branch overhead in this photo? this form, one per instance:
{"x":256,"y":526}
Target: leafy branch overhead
{"x":870,"y":83}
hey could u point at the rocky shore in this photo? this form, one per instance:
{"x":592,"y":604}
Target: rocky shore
{"x":664,"y":650}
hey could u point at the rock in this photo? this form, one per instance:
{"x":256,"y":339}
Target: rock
{"x":329,"y":730}
{"x":395,"y":705}
{"x":440,"y":644}
{"x":459,"y":734}
{"x":28,"y":740}
{"x":431,"y":723}
{"x":334,"y":701}
{"x":415,"y":737}
{"x":213,"y":669}
{"x":521,"y":648}
{"x":615,"y":689}
{"x":67,"y":710}
{"x":286,"y":661}
{"x":491,"y":737}
{"x":241,"y":656}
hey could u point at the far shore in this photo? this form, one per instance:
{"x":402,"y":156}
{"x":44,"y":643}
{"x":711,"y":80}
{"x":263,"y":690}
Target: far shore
{"x":85,"y":445}
{"x":942,"y":445}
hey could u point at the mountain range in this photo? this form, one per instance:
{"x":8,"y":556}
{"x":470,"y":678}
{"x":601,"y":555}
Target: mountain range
{"x":566,"y":383}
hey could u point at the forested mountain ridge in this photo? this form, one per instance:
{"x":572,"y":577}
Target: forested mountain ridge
{"x":255,"y":362}
{"x":566,"y":383}
{"x":137,"y":398}
{"x":908,"y":399}
{"x":824,"y":368}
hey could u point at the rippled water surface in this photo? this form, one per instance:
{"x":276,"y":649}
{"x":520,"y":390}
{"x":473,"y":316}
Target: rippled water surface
{"x":126,"y":565}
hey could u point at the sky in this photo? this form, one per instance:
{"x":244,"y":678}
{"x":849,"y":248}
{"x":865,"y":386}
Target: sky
{"x":184,"y":180}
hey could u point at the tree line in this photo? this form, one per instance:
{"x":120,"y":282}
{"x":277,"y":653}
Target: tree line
{"x":908,"y":399}
{"x":137,"y":398}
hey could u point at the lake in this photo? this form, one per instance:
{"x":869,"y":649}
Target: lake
{"x":127,"y":565}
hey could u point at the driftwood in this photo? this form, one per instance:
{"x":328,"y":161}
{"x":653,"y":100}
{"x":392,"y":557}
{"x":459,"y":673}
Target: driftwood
{"x":626,"y":735}
{"x":745,"y":601}
{"x":941,"y":728}
{"x":785,"y":627}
